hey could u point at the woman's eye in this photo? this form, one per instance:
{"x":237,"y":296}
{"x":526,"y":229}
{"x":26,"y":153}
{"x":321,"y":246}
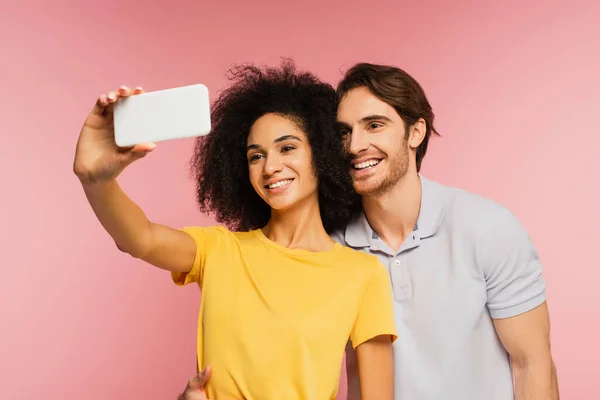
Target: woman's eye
{"x":255,"y":157}
{"x":285,"y":149}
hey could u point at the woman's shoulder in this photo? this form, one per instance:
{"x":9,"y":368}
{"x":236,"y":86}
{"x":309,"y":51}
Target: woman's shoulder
{"x":358,"y":259}
{"x":218,"y":236}
{"x":215,"y":232}
{"x":207,"y":230}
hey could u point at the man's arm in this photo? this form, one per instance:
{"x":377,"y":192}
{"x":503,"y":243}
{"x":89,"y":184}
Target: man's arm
{"x":516,"y":299}
{"x":526,"y":338}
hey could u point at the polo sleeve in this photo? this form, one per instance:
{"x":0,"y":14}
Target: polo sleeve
{"x":207,"y":239}
{"x":376,"y":310}
{"x":512,"y":268}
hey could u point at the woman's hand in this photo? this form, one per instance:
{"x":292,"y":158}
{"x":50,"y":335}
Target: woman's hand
{"x":97,"y":157}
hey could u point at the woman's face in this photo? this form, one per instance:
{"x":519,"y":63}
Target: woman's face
{"x":280,"y":162}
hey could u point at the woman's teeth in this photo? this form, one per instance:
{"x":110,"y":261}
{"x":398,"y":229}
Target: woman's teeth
{"x":279,"y":184}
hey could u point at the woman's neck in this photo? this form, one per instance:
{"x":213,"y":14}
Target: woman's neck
{"x":299,"y":227}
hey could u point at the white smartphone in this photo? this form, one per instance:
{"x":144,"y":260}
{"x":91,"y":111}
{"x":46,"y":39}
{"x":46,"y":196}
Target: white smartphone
{"x":176,"y":113}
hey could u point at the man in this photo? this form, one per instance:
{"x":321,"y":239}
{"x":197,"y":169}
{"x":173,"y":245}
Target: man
{"x":470,"y":300}
{"x":469,"y":294}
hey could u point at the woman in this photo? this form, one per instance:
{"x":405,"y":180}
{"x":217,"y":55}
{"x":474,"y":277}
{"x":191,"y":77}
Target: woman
{"x":280,"y":298}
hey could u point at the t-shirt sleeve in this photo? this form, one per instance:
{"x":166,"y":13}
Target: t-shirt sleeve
{"x":512,"y":268}
{"x":376,"y":310}
{"x":207,"y":239}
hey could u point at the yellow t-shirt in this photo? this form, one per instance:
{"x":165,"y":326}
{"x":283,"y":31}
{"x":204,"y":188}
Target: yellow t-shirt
{"x":274,"y":321}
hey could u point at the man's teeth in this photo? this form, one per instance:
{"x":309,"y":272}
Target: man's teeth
{"x":279,"y":184}
{"x":366,"y":164}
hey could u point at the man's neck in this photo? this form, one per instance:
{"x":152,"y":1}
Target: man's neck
{"x":300,"y":227}
{"x":394,"y":214}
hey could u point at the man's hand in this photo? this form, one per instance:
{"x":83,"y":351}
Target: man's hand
{"x":195,"y":387}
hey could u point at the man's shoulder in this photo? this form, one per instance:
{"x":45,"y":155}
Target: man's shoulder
{"x":474,"y":218}
{"x":467,"y":208}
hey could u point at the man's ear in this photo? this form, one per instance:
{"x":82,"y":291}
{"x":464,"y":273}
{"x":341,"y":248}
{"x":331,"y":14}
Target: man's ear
{"x":416,"y":133}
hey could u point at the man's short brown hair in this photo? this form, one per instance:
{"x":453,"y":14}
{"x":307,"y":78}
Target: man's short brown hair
{"x":398,"y":89}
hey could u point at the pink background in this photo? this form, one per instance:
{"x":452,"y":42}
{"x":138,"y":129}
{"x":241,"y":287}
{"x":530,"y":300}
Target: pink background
{"x":516,"y":92}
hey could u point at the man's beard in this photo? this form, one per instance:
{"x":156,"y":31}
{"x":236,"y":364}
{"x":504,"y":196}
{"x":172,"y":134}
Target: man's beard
{"x":380,"y":184}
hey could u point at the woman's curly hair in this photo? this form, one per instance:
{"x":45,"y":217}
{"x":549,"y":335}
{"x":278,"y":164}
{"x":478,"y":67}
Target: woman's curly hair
{"x":219,"y":163}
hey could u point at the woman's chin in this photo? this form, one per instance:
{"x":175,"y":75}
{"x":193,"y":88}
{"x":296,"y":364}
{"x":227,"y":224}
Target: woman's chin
{"x":281,"y":205}
{"x":283,"y":202}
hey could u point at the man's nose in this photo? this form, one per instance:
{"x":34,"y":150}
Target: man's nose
{"x":358,"y":142}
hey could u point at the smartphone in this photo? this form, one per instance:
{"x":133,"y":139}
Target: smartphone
{"x":176,"y":113}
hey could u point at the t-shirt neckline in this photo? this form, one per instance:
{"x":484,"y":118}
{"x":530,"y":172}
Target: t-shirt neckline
{"x":298,"y":252}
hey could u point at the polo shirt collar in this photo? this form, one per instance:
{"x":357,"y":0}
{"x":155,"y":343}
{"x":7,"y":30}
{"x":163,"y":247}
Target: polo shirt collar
{"x":434,"y":200}
{"x":433,"y":206}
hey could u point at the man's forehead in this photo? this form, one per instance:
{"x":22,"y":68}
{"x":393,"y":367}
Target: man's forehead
{"x":359,"y":104}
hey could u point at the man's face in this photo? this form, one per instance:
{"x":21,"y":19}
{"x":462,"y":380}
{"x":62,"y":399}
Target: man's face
{"x":376,"y":142}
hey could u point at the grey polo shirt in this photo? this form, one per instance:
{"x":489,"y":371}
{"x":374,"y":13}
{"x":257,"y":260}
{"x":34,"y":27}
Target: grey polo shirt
{"x":467,"y":261}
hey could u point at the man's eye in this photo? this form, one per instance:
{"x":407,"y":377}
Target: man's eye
{"x":375,"y":125}
{"x":344,"y":132}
